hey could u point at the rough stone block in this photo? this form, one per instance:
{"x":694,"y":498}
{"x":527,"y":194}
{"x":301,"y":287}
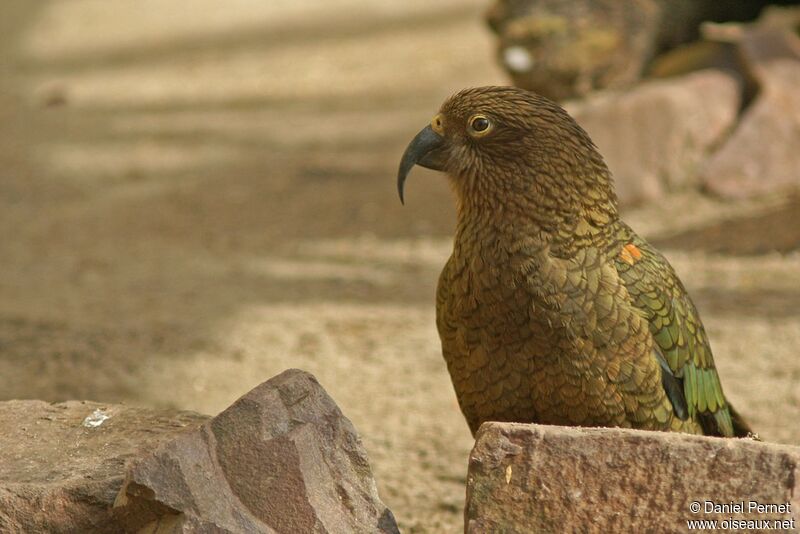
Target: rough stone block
{"x":534,"y":478}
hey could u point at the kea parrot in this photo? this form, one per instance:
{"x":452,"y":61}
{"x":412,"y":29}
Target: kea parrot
{"x":551,"y":309}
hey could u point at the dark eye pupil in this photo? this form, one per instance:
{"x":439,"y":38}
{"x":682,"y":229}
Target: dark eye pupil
{"x":480,"y":124}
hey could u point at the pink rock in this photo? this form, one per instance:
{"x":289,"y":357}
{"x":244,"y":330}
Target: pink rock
{"x":655,"y":136}
{"x":763,"y":153}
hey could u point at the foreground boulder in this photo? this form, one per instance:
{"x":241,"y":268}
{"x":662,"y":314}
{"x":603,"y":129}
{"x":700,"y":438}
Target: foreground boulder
{"x":532,"y":478}
{"x":282,"y":458}
{"x":61,"y":465}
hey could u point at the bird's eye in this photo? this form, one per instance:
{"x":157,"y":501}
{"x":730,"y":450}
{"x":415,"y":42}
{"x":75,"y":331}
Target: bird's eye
{"x":479,"y":125}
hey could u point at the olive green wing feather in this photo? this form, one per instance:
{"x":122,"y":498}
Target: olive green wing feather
{"x":681,"y":340}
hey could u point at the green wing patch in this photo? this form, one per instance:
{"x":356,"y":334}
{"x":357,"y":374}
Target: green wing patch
{"x":678,"y":333}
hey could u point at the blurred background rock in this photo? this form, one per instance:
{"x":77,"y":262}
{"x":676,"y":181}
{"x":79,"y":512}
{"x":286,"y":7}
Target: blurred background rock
{"x":566,"y":48}
{"x":725,"y":115}
{"x":195,"y":196}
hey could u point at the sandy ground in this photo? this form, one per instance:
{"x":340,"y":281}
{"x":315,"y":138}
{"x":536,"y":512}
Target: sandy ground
{"x":197,"y":195}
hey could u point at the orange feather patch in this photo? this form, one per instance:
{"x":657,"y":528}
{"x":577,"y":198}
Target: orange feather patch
{"x":630,"y":254}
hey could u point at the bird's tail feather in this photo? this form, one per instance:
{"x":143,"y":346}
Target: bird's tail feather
{"x":741,"y":429}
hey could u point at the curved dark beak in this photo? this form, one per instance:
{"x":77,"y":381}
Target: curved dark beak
{"x":423,"y":150}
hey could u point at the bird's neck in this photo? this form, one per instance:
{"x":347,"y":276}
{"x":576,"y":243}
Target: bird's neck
{"x":561,"y":219}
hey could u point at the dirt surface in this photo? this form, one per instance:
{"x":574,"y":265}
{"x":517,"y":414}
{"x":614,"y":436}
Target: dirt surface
{"x":197,"y":196}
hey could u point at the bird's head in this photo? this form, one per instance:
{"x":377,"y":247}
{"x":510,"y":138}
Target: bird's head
{"x":504,"y":147}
